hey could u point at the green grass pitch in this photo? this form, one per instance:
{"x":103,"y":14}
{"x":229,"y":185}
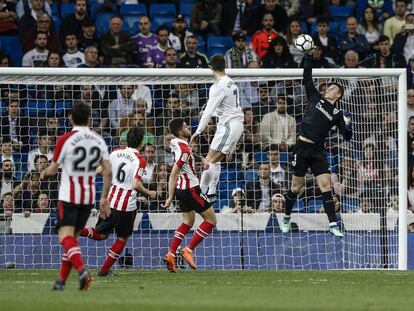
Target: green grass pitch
{"x":212,"y":290}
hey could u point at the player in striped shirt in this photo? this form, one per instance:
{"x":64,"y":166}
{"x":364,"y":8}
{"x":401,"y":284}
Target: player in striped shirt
{"x":78,"y":153}
{"x":224,"y":102}
{"x":184,"y":184}
{"x":128,"y":167}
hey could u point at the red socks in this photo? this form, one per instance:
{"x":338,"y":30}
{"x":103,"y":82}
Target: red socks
{"x":65,"y":268}
{"x":202,"y":232}
{"x":179,"y":234}
{"x":91,"y":233}
{"x":113,"y":255}
{"x":74,"y":255}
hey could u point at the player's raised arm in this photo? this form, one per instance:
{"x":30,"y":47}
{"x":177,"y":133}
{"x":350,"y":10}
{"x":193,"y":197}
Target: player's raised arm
{"x":216,"y":96}
{"x":310,"y":88}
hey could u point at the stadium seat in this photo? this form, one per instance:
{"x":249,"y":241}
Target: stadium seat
{"x":39,"y":108}
{"x":61,"y":107}
{"x":66,"y":9}
{"x":250,"y":175}
{"x":95,"y":8}
{"x":187,"y":2}
{"x":340,"y":13}
{"x":160,"y":20}
{"x":313,"y":206}
{"x":349,"y":205}
{"x":102,"y":22}
{"x":230,"y":175}
{"x":136,"y":9}
{"x":299,"y":207}
{"x":131,"y":20}
{"x":260,"y":157}
{"x":56,"y":22}
{"x":11,"y":46}
{"x":185,"y":9}
{"x":162,"y":9}
{"x":55,"y":9}
{"x":219,"y":45}
{"x":284,"y":157}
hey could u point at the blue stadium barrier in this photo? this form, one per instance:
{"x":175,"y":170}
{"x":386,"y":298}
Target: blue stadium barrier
{"x":349,"y":205}
{"x":133,"y":9}
{"x":162,"y":9}
{"x":314,"y":205}
{"x":299,"y":207}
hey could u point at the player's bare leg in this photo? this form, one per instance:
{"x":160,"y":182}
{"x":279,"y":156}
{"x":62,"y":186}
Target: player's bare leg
{"x":182,"y":230}
{"x":210,"y":177}
{"x":113,"y":255}
{"x":205,"y":228}
{"x":296,"y":185}
{"x":324,"y":183}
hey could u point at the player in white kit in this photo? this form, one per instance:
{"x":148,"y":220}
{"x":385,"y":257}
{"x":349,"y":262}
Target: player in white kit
{"x":224,"y":102}
{"x":78,"y":153}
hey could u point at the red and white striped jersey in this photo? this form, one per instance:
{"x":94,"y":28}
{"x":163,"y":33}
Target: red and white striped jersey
{"x":185,"y":160}
{"x":127,"y":165}
{"x":79,"y":153}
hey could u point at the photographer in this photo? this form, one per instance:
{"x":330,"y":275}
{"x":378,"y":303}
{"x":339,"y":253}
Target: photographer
{"x":404,"y":41}
{"x":238,"y":203}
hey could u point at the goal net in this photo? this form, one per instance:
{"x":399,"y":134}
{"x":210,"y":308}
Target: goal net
{"x":368,"y":173}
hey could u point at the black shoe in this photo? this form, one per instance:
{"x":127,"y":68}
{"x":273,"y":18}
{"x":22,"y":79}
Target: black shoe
{"x":212,"y":198}
{"x":59,"y":285}
{"x":85,"y":280}
{"x":109,"y":273}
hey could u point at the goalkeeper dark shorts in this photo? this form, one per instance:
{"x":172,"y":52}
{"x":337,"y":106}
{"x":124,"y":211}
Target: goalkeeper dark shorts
{"x":122,"y":222}
{"x":74,"y":215}
{"x":192,"y":200}
{"x":309,"y":155}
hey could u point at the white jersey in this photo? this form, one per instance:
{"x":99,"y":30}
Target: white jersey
{"x":184,"y":159}
{"x":223,"y":101}
{"x":79,"y":153}
{"x":127,"y":165}
{"x":73,"y":60}
{"x":33,"y":58}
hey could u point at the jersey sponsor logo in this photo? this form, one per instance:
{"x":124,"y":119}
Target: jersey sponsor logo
{"x":336,"y":111}
{"x":184,"y":157}
{"x":141,"y":172}
{"x":326,"y":113}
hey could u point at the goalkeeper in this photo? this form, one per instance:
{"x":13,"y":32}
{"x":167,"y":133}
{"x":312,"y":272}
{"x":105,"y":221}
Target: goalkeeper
{"x":309,"y":151}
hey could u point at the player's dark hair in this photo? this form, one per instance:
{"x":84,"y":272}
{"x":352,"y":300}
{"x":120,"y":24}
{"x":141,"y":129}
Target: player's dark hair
{"x":81,"y":113}
{"x":340,"y":87}
{"x":217,"y":62}
{"x":135,"y":137}
{"x":175,"y":126}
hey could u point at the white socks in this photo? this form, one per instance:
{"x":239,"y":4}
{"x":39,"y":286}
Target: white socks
{"x":210,"y":178}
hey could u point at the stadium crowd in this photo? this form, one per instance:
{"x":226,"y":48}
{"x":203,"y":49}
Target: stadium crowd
{"x":251,"y":34}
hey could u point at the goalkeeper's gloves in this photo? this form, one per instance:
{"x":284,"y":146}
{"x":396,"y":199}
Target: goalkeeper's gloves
{"x":347,"y":119}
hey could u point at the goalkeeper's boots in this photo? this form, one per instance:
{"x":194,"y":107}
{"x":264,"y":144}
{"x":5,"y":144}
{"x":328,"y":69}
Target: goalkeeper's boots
{"x":188,"y":256}
{"x":85,"y":279}
{"x":286,"y":225}
{"x":108,"y":273}
{"x":59,"y":285}
{"x":334,"y":230}
{"x":169,"y":260}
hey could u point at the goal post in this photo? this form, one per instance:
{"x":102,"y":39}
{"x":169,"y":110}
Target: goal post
{"x":267,"y":248}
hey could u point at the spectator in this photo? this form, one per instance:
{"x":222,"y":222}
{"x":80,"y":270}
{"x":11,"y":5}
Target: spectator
{"x":238,"y":16}
{"x":37,"y":57}
{"x":262,"y":38}
{"x":5,"y":60}
{"x":15,"y":126}
{"x":144,"y":41}
{"x":170,"y":59}
{"x":91,"y":58}
{"x":24,"y":7}
{"x":238,"y":203}
{"x":8,"y":181}
{"x":206,"y":18}
{"x":260,"y":191}
{"x":189,"y":93}
{"x":137,"y":119}
{"x":160,"y":185}
{"x":278,"y":204}
{"x":365,"y":205}
{"x":292,"y":7}
{"x":278,"y":127}
{"x":249,"y":91}
{"x":410,"y":102}
{"x":42,"y":204}
{"x":251,"y":134}
{"x":174,"y":108}
{"x":99,"y":104}
{"x":121,"y":106}
{"x":386,"y":58}
{"x":279,"y":14}
{"x":28,"y":190}
{"x":367,"y":172}
{"x":326,"y":42}
{"x":410,"y":137}
{"x":207,"y":137}
{"x":156,"y":57}
{"x":73,"y":23}
{"x":278,"y":55}
{"x":293,"y":31}
{"x":410,"y":73}
{"x":7,"y":205}
{"x":370,"y":28}
{"x":8,"y":18}
{"x":312,"y":9}
{"x":354,"y":41}
{"x":149,"y":153}
{"x":143,"y":92}
{"x":193,"y":58}
{"x":404,"y":41}
{"x":87,"y":36}
{"x":44,"y":149}
{"x":351,"y":59}
{"x":385,"y":134}
{"x":240,"y":55}
{"x":410,"y":192}
{"x":54,"y":60}
{"x":73,"y":57}
{"x":318,"y":59}
{"x":117,"y":46}
{"x":53,"y":129}
{"x":277,"y":173}
{"x":41,"y":162}
{"x":165,"y":155}
{"x":27,"y":22}
{"x":266,"y":103}
{"x":179,"y":33}
{"x":393,"y":25}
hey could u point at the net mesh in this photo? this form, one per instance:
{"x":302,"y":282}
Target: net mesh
{"x":248,"y":235}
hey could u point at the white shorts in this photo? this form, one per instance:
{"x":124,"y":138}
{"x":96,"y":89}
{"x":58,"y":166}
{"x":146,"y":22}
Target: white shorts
{"x":226,"y":137}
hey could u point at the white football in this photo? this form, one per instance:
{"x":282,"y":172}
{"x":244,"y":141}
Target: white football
{"x":304,"y":43}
